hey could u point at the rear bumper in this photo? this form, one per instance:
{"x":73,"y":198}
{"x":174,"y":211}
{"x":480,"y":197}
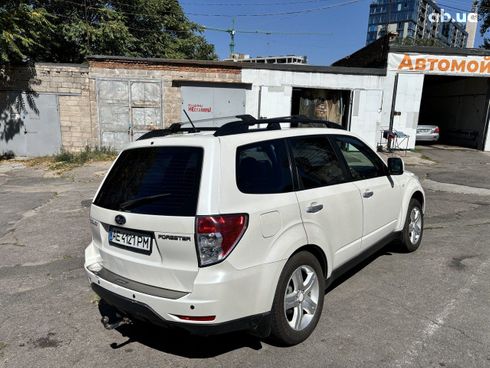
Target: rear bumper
{"x":427,"y":137}
{"x":221,"y":290}
{"x":135,"y":310}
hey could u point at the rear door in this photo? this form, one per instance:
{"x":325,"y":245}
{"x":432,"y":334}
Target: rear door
{"x":257,"y":180}
{"x":331,"y":207}
{"x":143,"y":216}
{"x":380,"y":193}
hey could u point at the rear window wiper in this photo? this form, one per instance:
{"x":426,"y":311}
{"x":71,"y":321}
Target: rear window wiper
{"x":137,"y":201}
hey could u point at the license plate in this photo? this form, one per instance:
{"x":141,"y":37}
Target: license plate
{"x":136,"y":241}
{"x":423,"y":131}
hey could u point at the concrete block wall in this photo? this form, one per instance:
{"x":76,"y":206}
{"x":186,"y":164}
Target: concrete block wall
{"x":70,"y":82}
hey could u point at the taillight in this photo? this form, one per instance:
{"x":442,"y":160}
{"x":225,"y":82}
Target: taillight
{"x":218,"y":235}
{"x":436,"y":130}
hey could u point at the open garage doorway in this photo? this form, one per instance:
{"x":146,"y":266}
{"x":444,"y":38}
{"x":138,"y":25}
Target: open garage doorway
{"x":459,"y":106}
{"x":325,"y":104}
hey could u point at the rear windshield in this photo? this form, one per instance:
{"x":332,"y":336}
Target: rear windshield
{"x":154,"y":181}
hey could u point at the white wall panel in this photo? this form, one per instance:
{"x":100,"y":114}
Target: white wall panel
{"x":275,"y":90}
{"x":408,"y":98}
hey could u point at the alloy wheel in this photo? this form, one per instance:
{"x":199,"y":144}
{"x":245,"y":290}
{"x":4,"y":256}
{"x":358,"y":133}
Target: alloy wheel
{"x":415,"y":225}
{"x":301,"y":297}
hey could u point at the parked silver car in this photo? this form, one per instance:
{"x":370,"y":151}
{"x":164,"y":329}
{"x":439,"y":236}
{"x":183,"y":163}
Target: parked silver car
{"x":427,"y":133}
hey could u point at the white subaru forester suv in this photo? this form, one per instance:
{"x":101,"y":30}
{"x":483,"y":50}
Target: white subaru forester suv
{"x":243,"y":227}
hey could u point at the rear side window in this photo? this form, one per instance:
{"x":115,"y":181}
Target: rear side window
{"x":154,"y":181}
{"x":263,"y":168}
{"x":316,"y":162}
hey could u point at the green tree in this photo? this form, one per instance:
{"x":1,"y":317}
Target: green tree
{"x":23,"y":30}
{"x":83,"y":28}
{"x":70,"y":30}
{"x":163,"y":30}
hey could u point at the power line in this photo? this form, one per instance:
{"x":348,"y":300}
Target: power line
{"x":254,"y":4}
{"x":460,"y":9}
{"x":206,"y":28}
{"x":271,"y":14}
{"x":461,"y":2}
{"x":120,"y":11}
{"x":459,"y":5}
{"x":271,"y":32}
{"x":133,"y":28}
{"x":231,"y":31}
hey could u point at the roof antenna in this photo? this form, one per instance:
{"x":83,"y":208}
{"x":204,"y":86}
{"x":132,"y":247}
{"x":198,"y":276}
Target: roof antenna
{"x":190,"y":121}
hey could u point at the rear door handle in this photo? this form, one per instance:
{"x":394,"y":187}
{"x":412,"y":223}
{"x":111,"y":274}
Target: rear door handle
{"x":368,"y":194}
{"x":314,"y":207}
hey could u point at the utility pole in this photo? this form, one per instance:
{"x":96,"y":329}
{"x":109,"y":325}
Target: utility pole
{"x":393,"y":113}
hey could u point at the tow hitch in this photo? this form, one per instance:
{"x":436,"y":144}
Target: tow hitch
{"x":110,"y":326}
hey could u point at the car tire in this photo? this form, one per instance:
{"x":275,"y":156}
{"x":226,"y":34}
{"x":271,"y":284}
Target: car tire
{"x":414,"y":227}
{"x":302,"y":286}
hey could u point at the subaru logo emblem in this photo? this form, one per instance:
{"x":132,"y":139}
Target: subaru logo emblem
{"x":120,"y":220}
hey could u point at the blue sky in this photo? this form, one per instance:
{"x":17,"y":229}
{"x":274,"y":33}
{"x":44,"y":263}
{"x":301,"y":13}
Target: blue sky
{"x":339,"y":27}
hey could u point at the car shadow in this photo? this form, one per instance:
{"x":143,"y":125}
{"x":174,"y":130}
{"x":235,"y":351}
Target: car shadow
{"x":426,"y":143}
{"x":179,"y":342}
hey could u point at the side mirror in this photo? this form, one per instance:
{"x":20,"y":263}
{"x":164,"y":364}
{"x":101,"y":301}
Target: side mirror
{"x":395,"y":166}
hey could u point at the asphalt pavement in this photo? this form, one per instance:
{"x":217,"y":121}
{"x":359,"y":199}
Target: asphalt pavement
{"x":430,"y":308}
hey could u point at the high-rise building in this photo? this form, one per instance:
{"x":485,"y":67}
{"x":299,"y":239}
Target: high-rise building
{"x":472,"y":25}
{"x":416,"y":20}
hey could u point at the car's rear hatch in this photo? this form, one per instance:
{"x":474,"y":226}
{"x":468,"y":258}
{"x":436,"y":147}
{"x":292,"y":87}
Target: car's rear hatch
{"x":143,"y":217}
{"x":426,"y":129}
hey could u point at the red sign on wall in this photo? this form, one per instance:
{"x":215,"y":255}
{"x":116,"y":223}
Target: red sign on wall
{"x":198,"y":108}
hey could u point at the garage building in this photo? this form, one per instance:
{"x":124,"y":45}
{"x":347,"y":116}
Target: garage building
{"x":112,"y":100}
{"x":447,"y":87}
{"x":135,"y":95}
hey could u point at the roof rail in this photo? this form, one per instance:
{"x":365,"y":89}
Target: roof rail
{"x":239,"y":127}
{"x":177,"y":128}
{"x":242,"y":126}
{"x":173,"y":129}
